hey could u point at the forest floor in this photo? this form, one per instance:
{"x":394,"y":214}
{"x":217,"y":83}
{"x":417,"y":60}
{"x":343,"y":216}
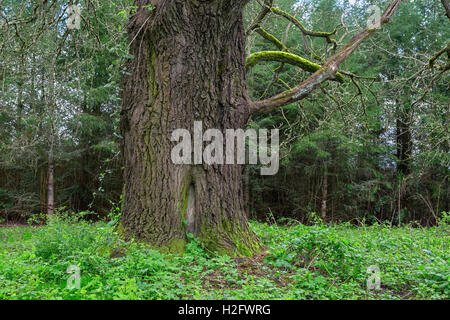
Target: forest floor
{"x":301,"y":262}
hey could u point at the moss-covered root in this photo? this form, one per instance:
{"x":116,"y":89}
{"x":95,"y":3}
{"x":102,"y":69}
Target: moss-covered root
{"x":232,"y":238}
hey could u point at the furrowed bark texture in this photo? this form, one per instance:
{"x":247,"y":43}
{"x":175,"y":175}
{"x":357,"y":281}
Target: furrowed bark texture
{"x":189,"y":65}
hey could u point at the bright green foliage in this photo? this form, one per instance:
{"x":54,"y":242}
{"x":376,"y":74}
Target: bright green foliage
{"x":303,"y":262}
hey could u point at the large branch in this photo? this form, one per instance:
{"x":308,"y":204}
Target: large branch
{"x":286,"y":57}
{"x":328,"y":71}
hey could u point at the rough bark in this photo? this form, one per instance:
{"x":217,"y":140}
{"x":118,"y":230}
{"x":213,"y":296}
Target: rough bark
{"x":446,"y":5}
{"x":189,"y":65}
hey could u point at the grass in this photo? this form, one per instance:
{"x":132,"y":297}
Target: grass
{"x":302,"y":262}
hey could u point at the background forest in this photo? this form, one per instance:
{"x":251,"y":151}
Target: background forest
{"x":362,"y":189}
{"x":375,"y":148}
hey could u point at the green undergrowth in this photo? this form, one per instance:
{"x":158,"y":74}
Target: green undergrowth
{"x":301,"y":262}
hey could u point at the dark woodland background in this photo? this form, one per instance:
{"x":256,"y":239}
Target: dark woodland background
{"x":375,"y":148}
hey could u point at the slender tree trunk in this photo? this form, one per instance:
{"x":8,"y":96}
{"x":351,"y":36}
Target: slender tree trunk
{"x":20,"y":96}
{"x":50,"y":201}
{"x":43,"y":190}
{"x":246,"y":188}
{"x":189,"y":65}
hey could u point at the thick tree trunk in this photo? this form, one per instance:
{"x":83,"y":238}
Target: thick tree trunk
{"x":50,"y":192}
{"x":189,"y":65}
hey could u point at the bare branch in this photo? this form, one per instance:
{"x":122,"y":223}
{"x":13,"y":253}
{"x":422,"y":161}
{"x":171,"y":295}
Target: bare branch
{"x":263,"y":33}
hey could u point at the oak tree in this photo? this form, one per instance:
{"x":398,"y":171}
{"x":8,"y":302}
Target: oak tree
{"x":190,"y":65}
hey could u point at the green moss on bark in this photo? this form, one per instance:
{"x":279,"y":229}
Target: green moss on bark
{"x":230,"y":238}
{"x":175,"y":246}
{"x":286,"y":57}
